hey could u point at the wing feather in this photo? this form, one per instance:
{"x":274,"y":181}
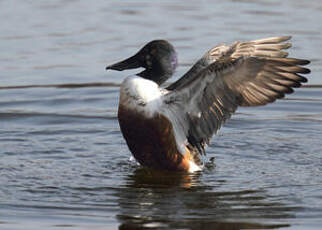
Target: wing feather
{"x":268,"y":47}
{"x":245,"y":74}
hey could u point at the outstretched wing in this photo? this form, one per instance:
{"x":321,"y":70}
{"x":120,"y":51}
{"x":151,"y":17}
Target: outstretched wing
{"x":245,"y":77}
{"x":268,"y":47}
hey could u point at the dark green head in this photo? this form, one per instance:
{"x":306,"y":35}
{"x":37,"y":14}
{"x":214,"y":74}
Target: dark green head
{"x":158,"y":57}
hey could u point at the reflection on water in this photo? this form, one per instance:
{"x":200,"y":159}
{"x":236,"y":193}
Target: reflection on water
{"x":149,"y":178}
{"x":180,"y":201}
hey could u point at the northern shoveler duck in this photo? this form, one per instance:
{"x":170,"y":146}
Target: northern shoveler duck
{"x":169,"y":128}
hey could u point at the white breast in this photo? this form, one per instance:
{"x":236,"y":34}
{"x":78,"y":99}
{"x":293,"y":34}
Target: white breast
{"x":141,"y":95}
{"x":146,"y":97}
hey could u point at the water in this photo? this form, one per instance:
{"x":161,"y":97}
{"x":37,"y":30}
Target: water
{"x":64,"y":163}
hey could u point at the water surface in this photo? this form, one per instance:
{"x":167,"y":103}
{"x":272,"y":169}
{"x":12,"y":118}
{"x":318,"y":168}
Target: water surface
{"x":64,"y":163}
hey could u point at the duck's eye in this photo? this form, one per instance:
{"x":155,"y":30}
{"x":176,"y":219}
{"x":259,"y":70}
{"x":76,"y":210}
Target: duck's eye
{"x":153,"y":51}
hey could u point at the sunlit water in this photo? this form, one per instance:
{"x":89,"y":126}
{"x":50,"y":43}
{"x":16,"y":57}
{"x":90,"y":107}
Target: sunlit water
{"x":64,"y":163}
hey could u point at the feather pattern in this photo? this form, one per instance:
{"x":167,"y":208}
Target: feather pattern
{"x":244,"y":74}
{"x":268,"y":47}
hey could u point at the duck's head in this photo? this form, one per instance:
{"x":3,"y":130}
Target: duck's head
{"x":158,"y":57}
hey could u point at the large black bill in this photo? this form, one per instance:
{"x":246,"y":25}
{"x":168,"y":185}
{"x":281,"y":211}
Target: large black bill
{"x":130,"y":63}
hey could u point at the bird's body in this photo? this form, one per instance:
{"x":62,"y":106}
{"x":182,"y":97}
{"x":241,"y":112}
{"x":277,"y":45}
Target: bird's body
{"x":149,"y":128}
{"x":168,"y":128}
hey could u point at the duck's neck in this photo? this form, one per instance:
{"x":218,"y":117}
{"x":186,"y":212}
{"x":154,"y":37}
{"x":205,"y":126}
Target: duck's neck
{"x":158,"y":77}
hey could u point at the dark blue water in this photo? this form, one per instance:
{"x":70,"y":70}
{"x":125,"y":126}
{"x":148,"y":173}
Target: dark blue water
{"x":64,"y":163}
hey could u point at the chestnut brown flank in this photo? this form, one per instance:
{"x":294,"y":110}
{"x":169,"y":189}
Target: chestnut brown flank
{"x":152,"y":141}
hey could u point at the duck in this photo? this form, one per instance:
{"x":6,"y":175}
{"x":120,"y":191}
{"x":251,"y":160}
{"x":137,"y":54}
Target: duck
{"x":169,"y":127}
